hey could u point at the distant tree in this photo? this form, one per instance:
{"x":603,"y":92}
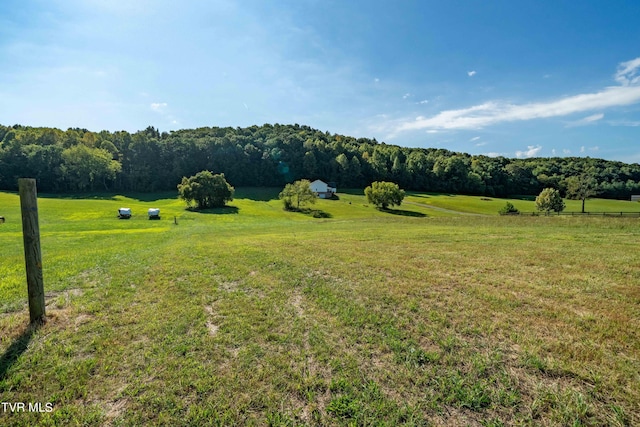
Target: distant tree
{"x":508,"y":209}
{"x":356,"y":171}
{"x":549,"y":200}
{"x":520,"y":179}
{"x":310,"y":164}
{"x":268,"y":155}
{"x":342,"y":162}
{"x":82,"y":167}
{"x":581,"y":187}
{"x":206,"y":190}
{"x":384,"y":194}
{"x":298,"y":193}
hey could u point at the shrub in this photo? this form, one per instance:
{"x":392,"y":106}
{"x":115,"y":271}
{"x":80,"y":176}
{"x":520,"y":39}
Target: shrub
{"x":550,"y":200}
{"x":508,"y":209}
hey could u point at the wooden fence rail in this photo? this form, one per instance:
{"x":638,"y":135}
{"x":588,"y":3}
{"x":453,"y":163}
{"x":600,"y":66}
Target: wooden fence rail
{"x":613,"y":214}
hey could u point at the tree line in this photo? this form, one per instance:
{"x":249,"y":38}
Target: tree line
{"x":273,"y":155}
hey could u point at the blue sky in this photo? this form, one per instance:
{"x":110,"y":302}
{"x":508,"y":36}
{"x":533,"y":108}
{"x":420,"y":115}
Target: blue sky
{"x":514,"y":78}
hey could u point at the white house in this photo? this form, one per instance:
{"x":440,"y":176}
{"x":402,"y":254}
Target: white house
{"x":635,"y":198}
{"x":322,"y":189}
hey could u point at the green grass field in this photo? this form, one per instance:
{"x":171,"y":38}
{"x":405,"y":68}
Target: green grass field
{"x":250,"y":315}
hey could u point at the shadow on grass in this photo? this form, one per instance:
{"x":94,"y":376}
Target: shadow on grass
{"x":316,"y":213}
{"x":15,"y":350}
{"x":141,"y":197}
{"x":258,"y":194}
{"x":428,"y":195}
{"x":523,"y":197}
{"x":224,"y":210}
{"x":403,"y":212}
{"x":353,"y":191}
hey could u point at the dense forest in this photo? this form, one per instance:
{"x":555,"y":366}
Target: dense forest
{"x":272,"y":155}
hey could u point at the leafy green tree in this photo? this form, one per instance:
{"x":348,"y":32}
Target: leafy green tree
{"x":452,"y":172}
{"x":379,"y":162}
{"x":206,"y":190}
{"x":581,"y":187}
{"x":520,"y":179}
{"x":82,"y":167}
{"x":43,"y":164}
{"x":310,"y":164}
{"x":419,"y":168}
{"x":549,"y":200}
{"x":356,"y":171}
{"x":144,"y":163}
{"x":342,"y":162}
{"x":298,"y":193}
{"x":384,"y":194}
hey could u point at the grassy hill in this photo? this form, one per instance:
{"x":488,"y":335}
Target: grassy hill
{"x":253,"y":315}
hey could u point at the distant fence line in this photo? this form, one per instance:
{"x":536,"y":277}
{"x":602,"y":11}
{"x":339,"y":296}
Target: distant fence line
{"x":618,"y":214}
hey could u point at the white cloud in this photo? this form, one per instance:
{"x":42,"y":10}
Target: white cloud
{"x":475,"y":138}
{"x":627,"y":72}
{"x":596,"y":148}
{"x":494,"y":154}
{"x":553,"y":152}
{"x":376,"y":80}
{"x":532,"y":151}
{"x":424,"y":101}
{"x":587,"y":120}
{"x":593,"y":118}
{"x":566,"y":152}
{"x":582,"y":149}
{"x":433,"y":131}
{"x":481,"y":144}
{"x":471,"y":73}
{"x":161,"y":109}
{"x":494,"y":112}
{"x":624,"y":123}
{"x":158,"y":106}
{"x":406,"y":95}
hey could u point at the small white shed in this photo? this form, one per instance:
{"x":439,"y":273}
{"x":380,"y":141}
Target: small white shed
{"x":154,"y":213}
{"x":124,"y":213}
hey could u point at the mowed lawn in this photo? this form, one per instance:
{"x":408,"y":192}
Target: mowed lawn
{"x":249,"y":315}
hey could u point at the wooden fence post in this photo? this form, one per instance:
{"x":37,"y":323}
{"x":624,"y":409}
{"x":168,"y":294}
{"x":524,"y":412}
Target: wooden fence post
{"x":32,"y":252}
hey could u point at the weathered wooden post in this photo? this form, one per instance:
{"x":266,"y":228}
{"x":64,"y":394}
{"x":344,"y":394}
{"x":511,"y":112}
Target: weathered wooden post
{"x":32,"y":252}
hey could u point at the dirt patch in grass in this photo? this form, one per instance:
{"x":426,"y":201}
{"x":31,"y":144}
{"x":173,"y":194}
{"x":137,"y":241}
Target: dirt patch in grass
{"x":211,"y":327}
{"x":114,"y":410}
{"x":231,"y":286}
